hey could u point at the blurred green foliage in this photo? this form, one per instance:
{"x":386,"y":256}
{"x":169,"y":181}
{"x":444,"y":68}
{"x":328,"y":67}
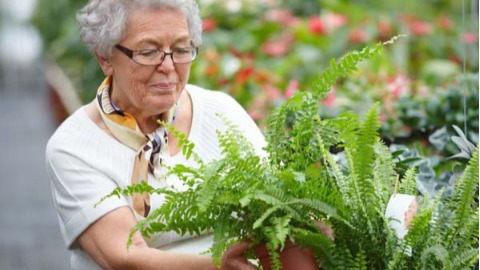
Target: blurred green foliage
{"x":261,"y":52}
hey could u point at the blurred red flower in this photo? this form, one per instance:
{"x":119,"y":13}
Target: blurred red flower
{"x":211,"y":70}
{"x":420,"y":28}
{"x":330,"y":99}
{"x":445,"y":23}
{"x":334,"y":20}
{"x":282,"y":16}
{"x":222,"y":81}
{"x":384,"y":27}
{"x":272,"y":92}
{"x":316,"y":25}
{"x":209,"y":24}
{"x":470,"y":38}
{"x":358,"y":35}
{"x":278,"y":47}
{"x":291,"y":88}
{"x":243,"y":75}
{"x":258,"y":107}
{"x":398,"y":85}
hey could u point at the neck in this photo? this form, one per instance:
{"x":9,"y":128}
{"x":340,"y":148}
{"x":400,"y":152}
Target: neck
{"x":148,"y":124}
{"x":145,"y":121}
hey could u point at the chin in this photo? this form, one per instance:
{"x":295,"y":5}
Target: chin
{"x":163,"y":105}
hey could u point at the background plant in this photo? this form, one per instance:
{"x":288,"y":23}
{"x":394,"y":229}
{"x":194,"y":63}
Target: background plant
{"x":261,"y":52}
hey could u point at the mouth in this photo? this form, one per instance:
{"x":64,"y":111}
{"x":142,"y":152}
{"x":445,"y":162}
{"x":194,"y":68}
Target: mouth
{"x":165,"y":86}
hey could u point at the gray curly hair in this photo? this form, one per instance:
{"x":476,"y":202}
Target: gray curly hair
{"x":107,"y":19}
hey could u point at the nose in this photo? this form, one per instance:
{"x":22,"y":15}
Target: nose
{"x":167,"y":63}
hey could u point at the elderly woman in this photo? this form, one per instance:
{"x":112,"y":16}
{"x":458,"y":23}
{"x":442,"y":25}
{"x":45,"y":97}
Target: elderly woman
{"x":145,"y":48}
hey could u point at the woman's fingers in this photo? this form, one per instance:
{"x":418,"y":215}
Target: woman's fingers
{"x":234,"y":258}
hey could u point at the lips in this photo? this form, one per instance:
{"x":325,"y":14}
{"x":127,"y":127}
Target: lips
{"x":165,"y":86}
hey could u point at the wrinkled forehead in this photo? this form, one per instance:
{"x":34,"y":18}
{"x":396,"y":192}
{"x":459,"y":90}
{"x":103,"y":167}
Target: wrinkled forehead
{"x":157,"y":23}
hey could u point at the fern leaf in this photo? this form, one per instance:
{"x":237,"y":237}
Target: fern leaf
{"x":207,"y":191}
{"x":465,"y":259}
{"x":183,"y":143}
{"x":383,"y":174}
{"x":435,"y":253}
{"x":466,"y":190}
{"x":322,"y":246}
{"x":259,"y":221}
{"x":220,"y":238}
{"x":274,"y":254}
{"x":321,"y":207}
{"x":346,"y":65}
{"x":408,"y":184}
{"x":361,"y":157}
{"x":141,"y":187}
{"x":282,"y":229}
{"x":361,"y":260}
{"x":335,"y":172}
{"x":364,"y":152}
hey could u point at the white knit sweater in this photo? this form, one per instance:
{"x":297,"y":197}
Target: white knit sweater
{"x":85,"y":164}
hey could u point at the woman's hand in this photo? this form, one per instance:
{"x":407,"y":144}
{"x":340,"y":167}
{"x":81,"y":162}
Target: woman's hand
{"x":234,"y":258}
{"x":325,"y":229}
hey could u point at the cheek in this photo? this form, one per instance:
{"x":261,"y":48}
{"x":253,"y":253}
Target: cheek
{"x":184,"y":74}
{"x":137,"y":81}
{"x":133,"y":86}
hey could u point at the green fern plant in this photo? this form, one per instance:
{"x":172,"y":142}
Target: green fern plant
{"x":280,"y":197}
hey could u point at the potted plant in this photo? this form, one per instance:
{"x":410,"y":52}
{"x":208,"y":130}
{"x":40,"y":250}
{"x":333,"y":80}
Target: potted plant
{"x":283,"y":197}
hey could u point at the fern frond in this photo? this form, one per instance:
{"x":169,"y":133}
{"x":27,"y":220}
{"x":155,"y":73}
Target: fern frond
{"x":462,"y":204}
{"x":282,"y":230}
{"x":272,"y":196}
{"x":207,"y":191}
{"x":346,"y":65}
{"x":336,"y":174}
{"x":183,"y":143}
{"x":408,"y":184}
{"x":141,"y":187}
{"x":273,"y":253}
{"x":188,"y":175}
{"x":397,"y":262}
{"x":360,"y":260}
{"x":276,"y":135}
{"x":420,"y":228}
{"x":322,"y":246}
{"x":259,"y":222}
{"x":320,"y":207}
{"x":220,"y":240}
{"x":383,"y":174}
{"x":363,"y":155}
{"x":468,"y":234}
{"x":433,"y":254}
{"x":361,"y":159}
{"x":465,"y":259}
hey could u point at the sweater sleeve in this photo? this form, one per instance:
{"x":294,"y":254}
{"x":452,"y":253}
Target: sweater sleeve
{"x":77,"y":180}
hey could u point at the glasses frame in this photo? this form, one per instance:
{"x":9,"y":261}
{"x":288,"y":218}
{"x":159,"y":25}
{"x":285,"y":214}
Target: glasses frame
{"x":130,"y":53}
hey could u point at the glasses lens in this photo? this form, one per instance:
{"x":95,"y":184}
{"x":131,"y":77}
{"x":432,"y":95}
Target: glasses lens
{"x":156,"y":57}
{"x":184,"y":55}
{"x":148,"y":57}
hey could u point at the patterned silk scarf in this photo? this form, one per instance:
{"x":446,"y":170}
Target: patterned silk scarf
{"x":150,"y":147}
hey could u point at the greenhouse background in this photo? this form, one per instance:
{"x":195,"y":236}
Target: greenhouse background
{"x":260,"y":52}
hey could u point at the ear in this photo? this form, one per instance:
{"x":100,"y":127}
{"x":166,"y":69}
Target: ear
{"x":105,"y":64}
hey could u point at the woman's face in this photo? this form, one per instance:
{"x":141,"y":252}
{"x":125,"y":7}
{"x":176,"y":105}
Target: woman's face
{"x":147,"y":91}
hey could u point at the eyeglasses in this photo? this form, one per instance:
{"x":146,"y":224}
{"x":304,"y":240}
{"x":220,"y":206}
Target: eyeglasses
{"x":156,"y":56}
